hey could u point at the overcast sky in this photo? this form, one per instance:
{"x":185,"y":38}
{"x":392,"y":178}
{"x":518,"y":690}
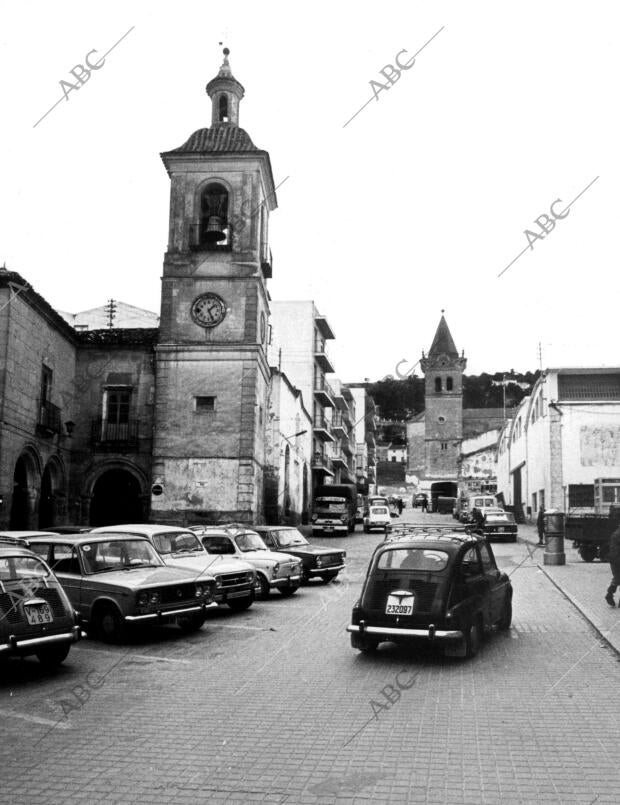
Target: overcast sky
{"x":416,"y":205}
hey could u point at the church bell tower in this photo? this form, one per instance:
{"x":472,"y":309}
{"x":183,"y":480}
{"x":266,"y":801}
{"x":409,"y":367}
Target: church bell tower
{"x":443,"y":421}
{"x":212,"y":375}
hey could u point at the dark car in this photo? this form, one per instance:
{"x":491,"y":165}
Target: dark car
{"x":36,"y":616}
{"x":419,"y":500}
{"x":324,"y":563}
{"x":440,"y":586}
{"x":499,"y":525}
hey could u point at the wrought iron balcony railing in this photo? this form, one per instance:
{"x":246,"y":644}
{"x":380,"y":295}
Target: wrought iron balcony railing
{"x":115,"y":436}
{"x":48,"y":421}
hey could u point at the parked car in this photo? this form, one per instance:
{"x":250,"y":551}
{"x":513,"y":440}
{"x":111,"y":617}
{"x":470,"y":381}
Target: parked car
{"x":418,"y":500}
{"x":499,"y":524}
{"x":235,"y":580}
{"x":36,"y":616}
{"x":439,"y":586}
{"x":480,"y":502}
{"x":378,"y":517}
{"x":282,"y":573}
{"x":324,"y":563}
{"x":22,"y":536}
{"x":116,"y":581}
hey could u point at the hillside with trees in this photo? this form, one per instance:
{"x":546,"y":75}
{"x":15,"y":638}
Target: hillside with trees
{"x":402,"y":399}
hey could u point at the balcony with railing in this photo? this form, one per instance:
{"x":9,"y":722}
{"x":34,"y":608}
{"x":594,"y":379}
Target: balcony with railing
{"x":321,"y":464}
{"x":321,"y":356}
{"x":338,"y":425}
{"x":321,"y":427}
{"x":323,"y":392}
{"x":338,"y":459}
{"x":118,"y":437}
{"x":48,"y":420}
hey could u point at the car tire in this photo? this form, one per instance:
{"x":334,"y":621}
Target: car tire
{"x":506,"y":619}
{"x":588,"y":553}
{"x":473,"y":639}
{"x":109,"y":625}
{"x":366,"y":530}
{"x":291,"y":589}
{"x":53,"y":656}
{"x":241,"y":604}
{"x":327,"y":577}
{"x":364,"y":644}
{"x":262,"y":587}
{"x":191,"y":623}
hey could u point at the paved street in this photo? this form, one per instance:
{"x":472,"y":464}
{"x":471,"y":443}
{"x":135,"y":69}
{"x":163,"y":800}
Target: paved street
{"x":273,"y":705}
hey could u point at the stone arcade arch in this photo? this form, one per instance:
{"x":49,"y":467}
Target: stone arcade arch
{"x":26,"y":488}
{"x":52,"y":502}
{"x":117,"y":493}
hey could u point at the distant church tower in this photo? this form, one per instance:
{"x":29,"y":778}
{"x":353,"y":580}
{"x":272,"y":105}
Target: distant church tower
{"x":443,"y":422}
{"x":212,"y":375}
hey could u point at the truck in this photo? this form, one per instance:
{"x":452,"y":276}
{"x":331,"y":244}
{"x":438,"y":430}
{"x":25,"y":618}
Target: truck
{"x":590,"y":533}
{"x":334,"y":510}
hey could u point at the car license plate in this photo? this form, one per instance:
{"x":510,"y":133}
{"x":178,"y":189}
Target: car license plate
{"x":399,"y":604}
{"x":38,"y":613}
{"x":501,"y":530}
{"x":328,"y":528}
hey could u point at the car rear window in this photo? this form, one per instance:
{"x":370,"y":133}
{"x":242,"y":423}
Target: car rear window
{"x":499,"y":517}
{"x":413,"y":559}
{"x":379,"y":510}
{"x":21,"y":567}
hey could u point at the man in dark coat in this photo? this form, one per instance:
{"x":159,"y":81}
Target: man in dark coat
{"x":614,"y":561}
{"x":540,"y":525}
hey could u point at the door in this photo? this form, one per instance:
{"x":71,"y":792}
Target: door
{"x":496,"y":589}
{"x":63,"y":560}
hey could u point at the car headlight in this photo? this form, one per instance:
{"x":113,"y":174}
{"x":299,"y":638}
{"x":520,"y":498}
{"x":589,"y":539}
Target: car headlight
{"x":200,"y":591}
{"x":143,"y":599}
{"x":218,"y":581}
{"x":155,"y":598}
{"x":315,"y":517}
{"x":319,"y":561}
{"x":344,"y":518}
{"x":343,"y":554}
{"x":249,"y":576}
{"x":276,"y":567}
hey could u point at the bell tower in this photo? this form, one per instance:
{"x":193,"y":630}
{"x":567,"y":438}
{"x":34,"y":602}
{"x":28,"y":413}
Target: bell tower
{"x":443,"y":421}
{"x":212,"y":375}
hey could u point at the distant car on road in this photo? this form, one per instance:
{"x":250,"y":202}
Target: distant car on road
{"x":317,"y":562}
{"x":235,"y":580}
{"x":438,"y":586}
{"x":499,"y":524}
{"x":418,"y":500}
{"x":36,"y":616}
{"x":378,"y":517}
{"x":117,"y":580}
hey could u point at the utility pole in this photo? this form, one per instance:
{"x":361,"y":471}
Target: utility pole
{"x":540,"y":356}
{"x":110,"y":310}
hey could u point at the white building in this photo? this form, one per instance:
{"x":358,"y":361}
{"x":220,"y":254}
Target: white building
{"x":563,"y":441}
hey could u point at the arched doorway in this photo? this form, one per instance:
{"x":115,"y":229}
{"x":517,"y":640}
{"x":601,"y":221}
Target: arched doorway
{"x":20,"y":510}
{"x":117,"y":498}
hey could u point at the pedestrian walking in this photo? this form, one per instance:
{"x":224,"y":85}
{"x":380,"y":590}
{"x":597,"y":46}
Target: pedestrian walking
{"x":614,"y":561}
{"x":540,"y":525}
{"x":400,"y":505}
{"x":424,"y":504}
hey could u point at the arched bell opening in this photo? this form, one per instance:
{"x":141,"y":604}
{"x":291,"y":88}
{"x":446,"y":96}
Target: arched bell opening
{"x":214,"y":228}
{"x":223,"y":114}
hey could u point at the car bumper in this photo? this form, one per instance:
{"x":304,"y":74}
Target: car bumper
{"x":16,"y":646}
{"x":228,"y":595}
{"x":429,"y":633}
{"x":170,"y":613}
{"x":327,"y":529}
{"x":316,"y":571}
{"x":285,"y":581}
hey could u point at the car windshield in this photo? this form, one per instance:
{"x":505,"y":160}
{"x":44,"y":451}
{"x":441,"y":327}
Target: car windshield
{"x":13,"y":568}
{"x":413,"y":559}
{"x":500,"y":517}
{"x":290,"y":536}
{"x":116,"y":554}
{"x":250,"y":542}
{"x":330,"y":504}
{"x":379,"y":510}
{"x":217,"y":544}
{"x":177,"y":542}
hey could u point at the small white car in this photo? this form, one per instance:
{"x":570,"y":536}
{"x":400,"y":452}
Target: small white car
{"x":378,"y":517}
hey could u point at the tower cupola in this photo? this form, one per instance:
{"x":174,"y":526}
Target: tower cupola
{"x":225,"y":93}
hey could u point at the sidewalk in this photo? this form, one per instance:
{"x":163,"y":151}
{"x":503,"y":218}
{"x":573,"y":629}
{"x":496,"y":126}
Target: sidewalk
{"x":584,"y":584}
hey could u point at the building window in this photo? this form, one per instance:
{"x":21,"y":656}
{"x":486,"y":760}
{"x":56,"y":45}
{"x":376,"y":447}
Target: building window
{"x":534,"y":501}
{"x":444,"y":445}
{"x":541,"y":498}
{"x":449,"y":384}
{"x":393,"y":458}
{"x":116,"y":406}
{"x":204,"y":405}
{"x":437,"y":384}
{"x":441,"y":419}
{"x":46,"y":384}
{"x":581,"y":495}
{"x":223,"y":109}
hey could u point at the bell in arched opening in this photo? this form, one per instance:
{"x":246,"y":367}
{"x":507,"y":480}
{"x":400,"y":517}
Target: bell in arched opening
{"x":215,"y":229}
{"x":214,"y":214}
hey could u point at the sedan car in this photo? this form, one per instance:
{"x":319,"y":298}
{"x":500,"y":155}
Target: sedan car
{"x":377,"y":517}
{"x":117,"y":580}
{"x":282,"y":572}
{"x":499,"y":524}
{"x":324,"y":563}
{"x":441,"y":586}
{"x":36,"y":617}
{"x":235,"y":579}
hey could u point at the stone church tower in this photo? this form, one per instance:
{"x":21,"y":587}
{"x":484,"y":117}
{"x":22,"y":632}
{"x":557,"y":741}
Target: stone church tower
{"x":212,"y":375}
{"x":443,"y":421}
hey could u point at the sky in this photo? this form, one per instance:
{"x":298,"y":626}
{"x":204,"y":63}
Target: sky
{"x":417,"y":205}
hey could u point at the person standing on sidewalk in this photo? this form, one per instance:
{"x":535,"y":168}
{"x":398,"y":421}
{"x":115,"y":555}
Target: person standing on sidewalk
{"x":540,"y":525}
{"x":614,"y":561}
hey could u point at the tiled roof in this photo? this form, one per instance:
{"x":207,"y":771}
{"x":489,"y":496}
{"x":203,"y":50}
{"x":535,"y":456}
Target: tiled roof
{"x":224,"y":138}
{"x":120,"y":335}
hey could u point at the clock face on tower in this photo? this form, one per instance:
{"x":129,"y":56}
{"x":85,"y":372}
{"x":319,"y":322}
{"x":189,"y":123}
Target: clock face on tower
{"x":208,"y":310}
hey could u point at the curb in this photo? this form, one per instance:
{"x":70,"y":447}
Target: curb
{"x":583,"y":611}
